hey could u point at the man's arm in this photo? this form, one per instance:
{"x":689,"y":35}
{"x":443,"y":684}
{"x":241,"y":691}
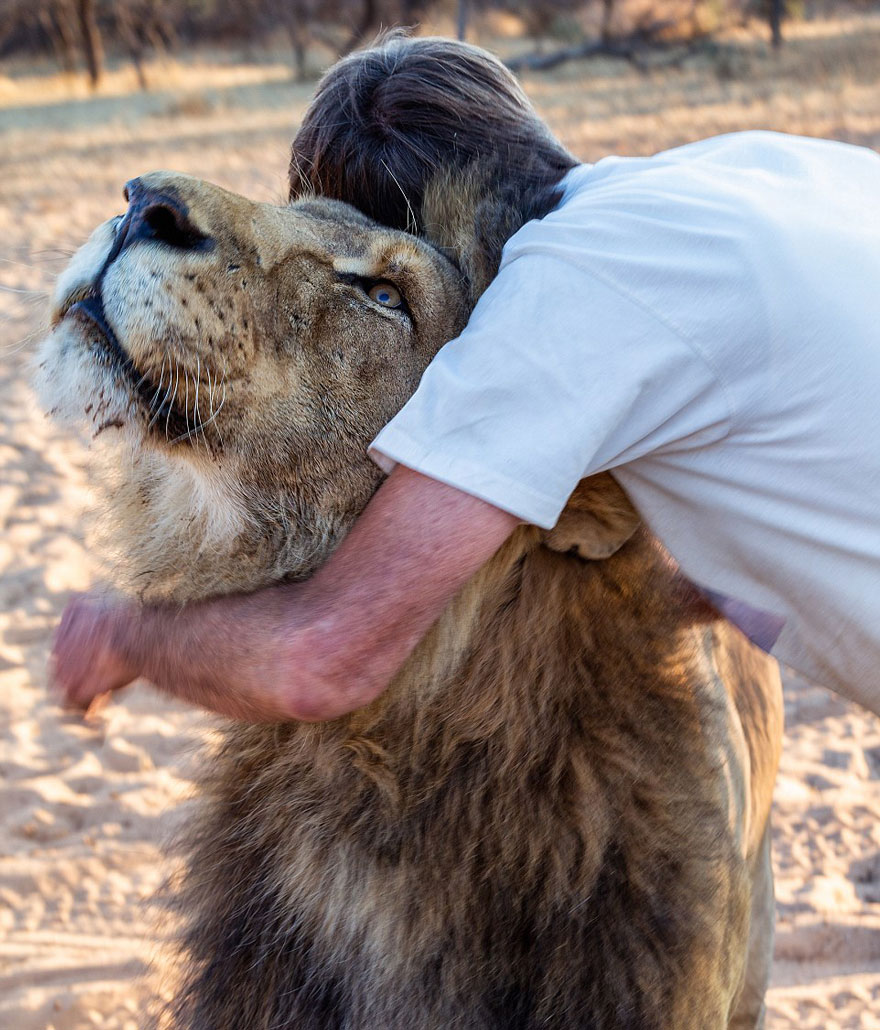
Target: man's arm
{"x":310,"y":651}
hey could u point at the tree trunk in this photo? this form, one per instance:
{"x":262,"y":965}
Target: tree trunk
{"x":298,"y":42}
{"x":55,"y":23}
{"x":368,"y":20}
{"x":91,"y":40}
{"x":607,"y":15}
{"x":132,"y":34}
{"x":776,"y":11}
{"x":461,"y":19}
{"x":296,"y":18}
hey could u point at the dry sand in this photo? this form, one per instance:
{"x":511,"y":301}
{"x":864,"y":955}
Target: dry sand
{"x":85,"y":809}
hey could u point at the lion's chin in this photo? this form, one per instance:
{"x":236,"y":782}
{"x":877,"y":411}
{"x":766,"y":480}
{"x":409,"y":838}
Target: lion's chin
{"x":84,"y":377}
{"x":78,"y":383}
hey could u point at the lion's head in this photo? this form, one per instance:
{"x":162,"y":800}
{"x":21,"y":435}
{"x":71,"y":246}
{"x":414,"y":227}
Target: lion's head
{"x":238,"y":357}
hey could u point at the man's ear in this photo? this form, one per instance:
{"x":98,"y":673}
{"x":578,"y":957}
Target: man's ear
{"x":597,"y":520}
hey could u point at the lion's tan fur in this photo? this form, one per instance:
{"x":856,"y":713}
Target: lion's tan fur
{"x":557,"y":815}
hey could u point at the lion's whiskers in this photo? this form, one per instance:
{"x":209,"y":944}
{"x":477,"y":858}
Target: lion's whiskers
{"x":412,"y":224}
{"x":42,"y":294}
{"x":172,"y":394}
{"x":141,"y":381}
{"x":15,"y":346}
{"x":186,"y":399}
{"x":163,"y":403}
{"x":214,"y":412}
{"x":42,"y":257}
{"x":214,"y":381}
{"x":197,"y":418}
{"x":53,"y":253}
{"x":305,"y":187}
{"x":155,"y":416}
{"x":18,"y":264}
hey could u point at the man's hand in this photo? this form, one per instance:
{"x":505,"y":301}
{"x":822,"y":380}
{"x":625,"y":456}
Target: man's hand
{"x":86,"y":661}
{"x":229,"y":655}
{"x":310,"y":651}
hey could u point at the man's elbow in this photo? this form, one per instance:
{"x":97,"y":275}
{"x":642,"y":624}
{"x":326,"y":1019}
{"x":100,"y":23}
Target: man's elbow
{"x":323,"y":676}
{"x":323,"y":701}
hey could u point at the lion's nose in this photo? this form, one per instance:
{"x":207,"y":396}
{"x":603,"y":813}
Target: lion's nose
{"x":158,"y":214}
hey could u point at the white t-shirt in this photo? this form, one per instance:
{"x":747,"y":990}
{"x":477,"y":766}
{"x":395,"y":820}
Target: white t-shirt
{"x":706,"y":323}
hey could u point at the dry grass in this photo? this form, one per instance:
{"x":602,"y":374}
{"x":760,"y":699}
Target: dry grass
{"x":83,"y":808}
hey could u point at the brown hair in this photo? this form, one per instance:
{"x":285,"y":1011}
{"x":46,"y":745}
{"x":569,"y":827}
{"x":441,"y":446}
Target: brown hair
{"x":387,"y":120}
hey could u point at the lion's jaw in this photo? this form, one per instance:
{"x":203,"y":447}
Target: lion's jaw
{"x":235,"y":386}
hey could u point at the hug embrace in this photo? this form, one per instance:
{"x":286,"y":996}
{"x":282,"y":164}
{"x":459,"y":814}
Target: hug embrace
{"x":496,"y":760}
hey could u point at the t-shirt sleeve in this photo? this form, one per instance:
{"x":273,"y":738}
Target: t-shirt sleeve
{"x":559,"y":374}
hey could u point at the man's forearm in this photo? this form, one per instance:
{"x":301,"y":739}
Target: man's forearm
{"x":314,"y":650}
{"x":359,"y":618}
{"x":414,"y":547}
{"x":221,"y":654}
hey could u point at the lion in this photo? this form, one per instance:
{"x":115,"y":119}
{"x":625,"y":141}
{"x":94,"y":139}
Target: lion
{"x":557,"y":816}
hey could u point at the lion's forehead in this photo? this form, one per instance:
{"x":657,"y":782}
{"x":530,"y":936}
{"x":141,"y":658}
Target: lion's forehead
{"x":264,"y":236}
{"x":352,"y":244}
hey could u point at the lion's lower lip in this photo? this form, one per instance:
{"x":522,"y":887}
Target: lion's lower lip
{"x":166,"y":420}
{"x":91,"y":311}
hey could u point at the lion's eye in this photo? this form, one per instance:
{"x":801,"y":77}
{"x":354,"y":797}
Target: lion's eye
{"x":386,"y":295}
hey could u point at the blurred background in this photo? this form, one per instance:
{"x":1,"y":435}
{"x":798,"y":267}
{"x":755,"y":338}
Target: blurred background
{"x":94,"y":92}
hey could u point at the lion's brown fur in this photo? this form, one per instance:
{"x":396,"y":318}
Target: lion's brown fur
{"x":557,"y":814}
{"x":516,"y":835}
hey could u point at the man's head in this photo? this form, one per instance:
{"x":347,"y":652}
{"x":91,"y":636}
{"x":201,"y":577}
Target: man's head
{"x":385,"y":121}
{"x":435,"y":137}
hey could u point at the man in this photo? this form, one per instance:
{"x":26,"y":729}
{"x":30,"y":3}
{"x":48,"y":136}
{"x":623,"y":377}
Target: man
{"x":703,"y":323}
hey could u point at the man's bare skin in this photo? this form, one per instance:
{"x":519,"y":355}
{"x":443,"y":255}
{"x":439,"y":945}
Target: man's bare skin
{"x":311,"y":651}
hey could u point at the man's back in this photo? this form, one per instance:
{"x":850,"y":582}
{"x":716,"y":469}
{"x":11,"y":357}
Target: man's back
{"x":704,"y":323}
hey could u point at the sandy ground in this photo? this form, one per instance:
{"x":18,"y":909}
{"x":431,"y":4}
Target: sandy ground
{"x":85,"y":809}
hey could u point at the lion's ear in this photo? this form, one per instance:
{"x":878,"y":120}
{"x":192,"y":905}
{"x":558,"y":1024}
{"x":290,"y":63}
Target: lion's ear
{"x":467,"y":218}
{"x":454,"y":217}
{"x":597,"y":521}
